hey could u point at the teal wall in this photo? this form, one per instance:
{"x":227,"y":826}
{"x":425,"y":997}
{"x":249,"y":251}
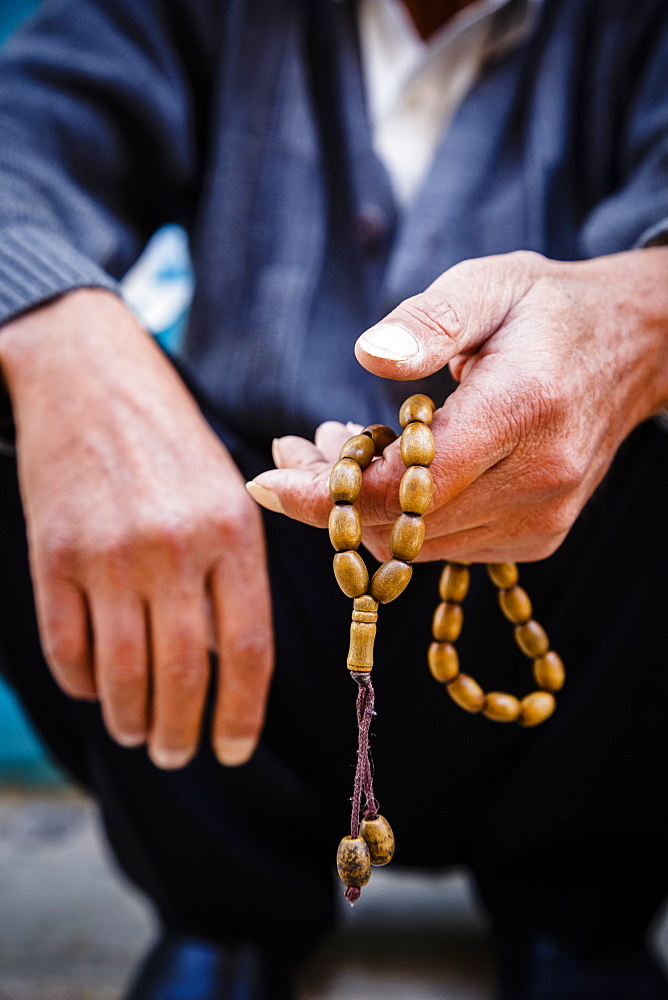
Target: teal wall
{"x":12,"y":13}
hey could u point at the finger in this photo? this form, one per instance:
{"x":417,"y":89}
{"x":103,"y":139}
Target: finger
{"x":292,"y":452}
{"x":455,"y":314}
{"x":120,"y":644}
{"x":180,"y":676}
{"x":240,"y":590}
{"x":64,"y":628}
{"x":331,"y":436}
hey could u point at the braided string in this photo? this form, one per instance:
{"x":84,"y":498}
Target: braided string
{"x":363,"y":774}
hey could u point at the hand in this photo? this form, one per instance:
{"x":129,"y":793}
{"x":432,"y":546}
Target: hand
{"x":557,"y":363}
{"x":144,"y":546}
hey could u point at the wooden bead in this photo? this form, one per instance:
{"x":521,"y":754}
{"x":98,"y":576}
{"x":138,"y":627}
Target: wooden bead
{"x":454,"y":582}
{"x":390,"y":580}
{"x":365,"y":603}
{"x":467,"y":693}
{"x":416,"y":490}
{"x":353,"y":861}
{"x":417,"y":445}
{"x":345,"y":481}
{"x":504,"y":575}
{"x":360,"y":448}
{"x":549,"y":672}
{"x":515,"y":604}
{"x":381,"y":436}
{"x":407,"y":536}
{"x":360,"y":651}
{"x":536,"y":708}
{"x":532,"y":639}
{"x":418,"y":407}
{"x":443,"y":661}
{"x":351,"y":573}
{"x":345,"y":527}
{"x":447,"y":622}
{"x":502,"y":707}
{"x":377,"y":833}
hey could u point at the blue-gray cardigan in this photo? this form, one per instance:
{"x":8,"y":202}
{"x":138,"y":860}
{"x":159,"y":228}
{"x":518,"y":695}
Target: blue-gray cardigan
{"x":245,"y":121}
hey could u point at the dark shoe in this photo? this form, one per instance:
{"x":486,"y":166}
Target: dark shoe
{"x":190,"y":968}
{"x":543,"y":968}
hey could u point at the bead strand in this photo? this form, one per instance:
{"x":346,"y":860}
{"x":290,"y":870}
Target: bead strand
{"x":371,"y":841}
{"x":530,"y":637}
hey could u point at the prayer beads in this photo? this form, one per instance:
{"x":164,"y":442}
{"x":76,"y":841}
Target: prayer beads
{"x":371,"y":841}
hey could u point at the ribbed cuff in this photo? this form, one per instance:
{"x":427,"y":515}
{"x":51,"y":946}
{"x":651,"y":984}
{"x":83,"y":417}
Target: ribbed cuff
{"x":37,"y":265}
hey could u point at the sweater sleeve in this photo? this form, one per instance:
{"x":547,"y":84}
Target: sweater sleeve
{"x":634,"y":212}
{"x":101,"y":105}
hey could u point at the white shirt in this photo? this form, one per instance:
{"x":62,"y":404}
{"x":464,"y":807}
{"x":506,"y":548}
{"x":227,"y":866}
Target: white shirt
{"x":414,"y":87}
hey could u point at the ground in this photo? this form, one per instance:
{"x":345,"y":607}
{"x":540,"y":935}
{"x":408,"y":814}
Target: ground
{"x":71,"y":929}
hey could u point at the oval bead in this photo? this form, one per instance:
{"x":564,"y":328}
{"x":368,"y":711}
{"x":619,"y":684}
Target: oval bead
{"x":549,"y":672}
{"x":345,"y":527}
{"x":532,"y":638}
{"x":447,"y":622}
{"x":504,"y":575}
{"x":345,"y":481}
{"x":416,"y":490}
{"x":380,"y":435}
{"x":418,"y":407}
{"x":390,"y":580}
{"x":407,"y":536}
{"x":351,"y":573}
{"x":417,"y":445}
{"x":454,"y":582}
{"x":536,"y":708}
{"x":467,"y":693}
{"x":353,"y":862}
{"x":502,"y":707}
{"x":360,"y":651}
{"x":360,"y":448}
{"x":515,"y":604}
{"x":443,"y":661}
{"x":379,"y":838}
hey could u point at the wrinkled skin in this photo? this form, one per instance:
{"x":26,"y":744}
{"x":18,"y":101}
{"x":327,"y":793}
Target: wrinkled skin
{"x":146,"y":549}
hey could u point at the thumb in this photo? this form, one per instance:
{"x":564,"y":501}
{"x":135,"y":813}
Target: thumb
{"x":455,"y":315}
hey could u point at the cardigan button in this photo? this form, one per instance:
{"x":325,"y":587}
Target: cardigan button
{"x":371,"y":227}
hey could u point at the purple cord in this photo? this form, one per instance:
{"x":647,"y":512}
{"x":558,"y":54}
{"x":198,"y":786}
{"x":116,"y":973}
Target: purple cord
{"x":363,"y":776}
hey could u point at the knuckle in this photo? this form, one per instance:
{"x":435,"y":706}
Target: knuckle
{"x":188,"y":673}
{"x":63,"y":646}
{"x":529,"y":259}
{"x":251,"y":648}
{"x":433,"y":312}
{"x":561,"y":471}
{"x":125,"y":670}
{"x":235,"y":523}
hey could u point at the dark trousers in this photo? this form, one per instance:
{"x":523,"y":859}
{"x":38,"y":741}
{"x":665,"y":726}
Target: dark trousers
{"x":563,"y":826}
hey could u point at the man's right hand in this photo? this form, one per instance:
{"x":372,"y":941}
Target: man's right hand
{"x":142,"y":536}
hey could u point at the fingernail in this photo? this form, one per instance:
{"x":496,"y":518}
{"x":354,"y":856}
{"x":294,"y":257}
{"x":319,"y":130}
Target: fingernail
{"x":265,"y":497}
{"x":169,"y":760}
{"x":232,"y":751}
{"x":353,"y":427}
{"x":390,"y":342}
{"x":276,"y":453}
{"x":130,"y":740}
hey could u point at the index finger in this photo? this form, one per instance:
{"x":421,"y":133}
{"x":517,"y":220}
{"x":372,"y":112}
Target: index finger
{"x":473,"y":431}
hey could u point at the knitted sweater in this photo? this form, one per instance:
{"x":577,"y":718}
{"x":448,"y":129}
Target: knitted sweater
{"x":244,"y":120}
